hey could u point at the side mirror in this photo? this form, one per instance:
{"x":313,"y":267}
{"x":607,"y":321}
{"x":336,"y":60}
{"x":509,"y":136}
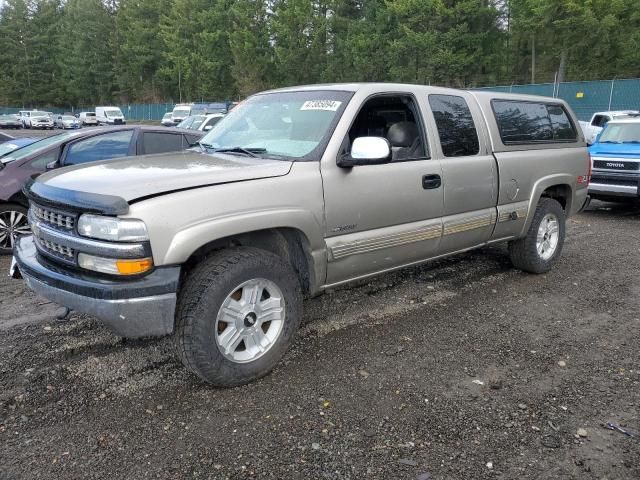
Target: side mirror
{"x":207,"y":128}
{"x":367,"y":151}
{"x":52,"y":165}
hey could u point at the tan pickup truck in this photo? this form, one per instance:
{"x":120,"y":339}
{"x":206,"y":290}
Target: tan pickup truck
{"x":295,"y":191}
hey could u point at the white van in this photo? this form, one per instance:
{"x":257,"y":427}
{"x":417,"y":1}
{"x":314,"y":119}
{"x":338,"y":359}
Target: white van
{"x":110,"y":116}
{"x":180,"y":112}
{"x":88,"y":118}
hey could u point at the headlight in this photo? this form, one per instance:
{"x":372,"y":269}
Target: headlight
{"x":115,"y":266}
{"x":112,"y":228}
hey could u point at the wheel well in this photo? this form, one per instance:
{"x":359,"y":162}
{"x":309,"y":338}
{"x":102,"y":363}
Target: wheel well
{"x":19,"y":199}
{"x":560,"y":193}
{"x":288,"y":243}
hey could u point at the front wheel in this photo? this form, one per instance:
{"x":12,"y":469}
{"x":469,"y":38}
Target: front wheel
{"x":541,"y":247}
{"x":237,"y":314}
{"x":13,"y":222}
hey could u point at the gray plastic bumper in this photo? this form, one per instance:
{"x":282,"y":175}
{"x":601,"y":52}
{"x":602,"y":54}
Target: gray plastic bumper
{"x":126,"y":307}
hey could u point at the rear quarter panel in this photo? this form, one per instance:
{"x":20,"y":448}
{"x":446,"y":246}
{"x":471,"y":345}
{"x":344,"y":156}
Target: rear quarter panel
{"x":525,"y":171}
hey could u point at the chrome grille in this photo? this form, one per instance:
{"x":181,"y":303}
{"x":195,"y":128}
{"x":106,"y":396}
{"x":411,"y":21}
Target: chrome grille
{"x":53,"y":218}
{"x":55,"y":248}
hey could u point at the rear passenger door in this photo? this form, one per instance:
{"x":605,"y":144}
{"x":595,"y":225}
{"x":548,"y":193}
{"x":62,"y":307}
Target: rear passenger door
{"x":469,"y":172}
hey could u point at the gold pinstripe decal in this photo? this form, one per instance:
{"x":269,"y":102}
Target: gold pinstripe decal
{"x":418,"y":235}
{"x":387,"y":241}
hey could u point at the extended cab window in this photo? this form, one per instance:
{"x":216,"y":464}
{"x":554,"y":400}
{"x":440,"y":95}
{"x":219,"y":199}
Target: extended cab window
{"x":162,"y":142}
{"x":532,"y":122}
{"x":394,"y":117}
{"x":457,"y":132}
{"x":562,"y":127}
{"x":100,"y":147}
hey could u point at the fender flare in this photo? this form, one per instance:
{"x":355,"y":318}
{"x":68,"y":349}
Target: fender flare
{"x":558,"y":179}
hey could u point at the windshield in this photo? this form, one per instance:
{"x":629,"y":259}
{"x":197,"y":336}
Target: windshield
{"x":113,"y":113}
{"x":289,"y":124}
{"x":68,"y":117}
{"x":181,"y":112}
{"x":35,"y":147}
{"x":8,"y":117}
{"x":7,"y":147}
{"x":39,"y":114}
{"x":89,"y":114}
{"x":166,"y":116}
{"x":621,"y":133}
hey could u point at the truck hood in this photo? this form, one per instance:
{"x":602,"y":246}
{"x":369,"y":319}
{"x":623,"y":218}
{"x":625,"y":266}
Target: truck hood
{"x":631,"y":150}
{"x":133,"y":178}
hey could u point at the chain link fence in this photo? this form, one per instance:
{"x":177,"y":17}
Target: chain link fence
{"x":584,"y":97}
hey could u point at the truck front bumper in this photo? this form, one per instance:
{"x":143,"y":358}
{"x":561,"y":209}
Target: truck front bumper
{"x":141,"y":307}
{"x":614,"y":185}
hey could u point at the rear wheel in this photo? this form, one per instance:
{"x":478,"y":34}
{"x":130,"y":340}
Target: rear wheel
{"x":237,"y":314}
{"x":541,"y":247}
{"x":13,"y":222}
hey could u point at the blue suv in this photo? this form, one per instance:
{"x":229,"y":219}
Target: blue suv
{"x":616,"y":162}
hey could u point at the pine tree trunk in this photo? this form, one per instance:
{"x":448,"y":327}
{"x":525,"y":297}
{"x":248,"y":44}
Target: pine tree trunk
{"x":563,"y":65}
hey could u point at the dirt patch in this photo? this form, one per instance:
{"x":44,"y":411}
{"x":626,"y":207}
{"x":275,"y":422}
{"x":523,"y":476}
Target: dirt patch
{"x":465,"y":368}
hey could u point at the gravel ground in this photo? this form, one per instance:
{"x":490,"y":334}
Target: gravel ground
{"x":461,"y":369}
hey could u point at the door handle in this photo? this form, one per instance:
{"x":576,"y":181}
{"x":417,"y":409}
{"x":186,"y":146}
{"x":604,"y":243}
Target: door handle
{"x":430,"y":182}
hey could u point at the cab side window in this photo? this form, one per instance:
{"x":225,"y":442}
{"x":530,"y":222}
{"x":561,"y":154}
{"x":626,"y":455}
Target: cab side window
{"x":100,"y":147}
{"x":456,"y":129}
{"x":396,"y":118}
{"x":163,"y":142}
{"x":522,"y":122}
{"x":600,"y":120}
{"x":211,"y":122}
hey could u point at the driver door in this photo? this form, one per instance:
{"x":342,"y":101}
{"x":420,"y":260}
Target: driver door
{"x":380,"y":217}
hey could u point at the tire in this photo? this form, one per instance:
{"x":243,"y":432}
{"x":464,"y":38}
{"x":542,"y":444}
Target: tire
{"x":12,"y":215}
{"x":221,"y":280}
{"x":534,"y":256}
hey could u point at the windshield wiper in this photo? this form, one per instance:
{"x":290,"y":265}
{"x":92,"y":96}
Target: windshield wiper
{"x":608,"y":141}
{"x":204,"y":146}
{"x":251,"y":152}
{"x":632,"y":141}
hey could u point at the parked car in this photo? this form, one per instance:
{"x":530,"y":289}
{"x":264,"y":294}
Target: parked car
{"x":74,"y":148}
{"x":192,"y":122}
{"x":67,"y":122}
{"x":210,"y":121}
{"x":204,"y":123}
{"x":40,"y":120}
{"x":180,"y":112}
{"x":110,"y":116}
{"x":88,"y":119}
{"x":10,"y":121}
{"x":598,"y":120}
{"x":14,"y":144}
{"x":616,"y":161}
{"x":297,"y":191}
{"x":167,"y":120}
{"x":24,"y":115}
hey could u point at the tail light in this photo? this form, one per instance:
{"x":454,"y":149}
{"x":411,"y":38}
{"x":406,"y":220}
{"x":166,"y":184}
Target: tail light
{"x":586,"y":179}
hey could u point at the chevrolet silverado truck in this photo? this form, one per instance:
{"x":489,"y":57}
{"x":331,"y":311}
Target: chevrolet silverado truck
{"x":616,"y":162}
{"x":296,"y":191}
